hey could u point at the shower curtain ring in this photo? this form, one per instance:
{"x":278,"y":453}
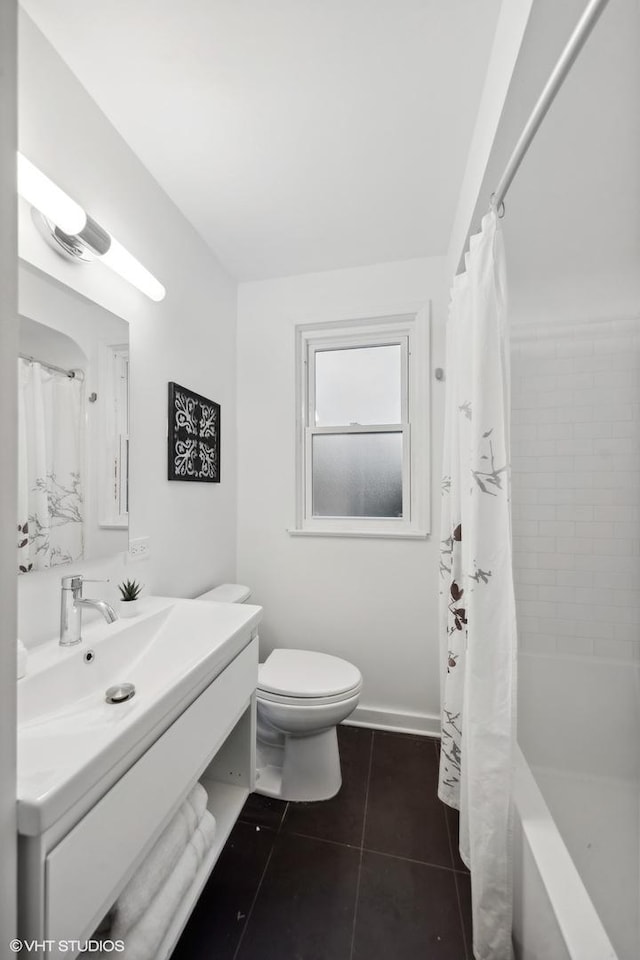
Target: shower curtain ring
{"x":500,"y":209}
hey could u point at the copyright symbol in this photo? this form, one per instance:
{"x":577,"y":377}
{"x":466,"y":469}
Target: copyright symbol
{"x":15,"y":946}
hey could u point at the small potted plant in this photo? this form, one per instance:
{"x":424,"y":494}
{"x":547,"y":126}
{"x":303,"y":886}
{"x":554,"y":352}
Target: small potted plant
{"x":130,"y":591}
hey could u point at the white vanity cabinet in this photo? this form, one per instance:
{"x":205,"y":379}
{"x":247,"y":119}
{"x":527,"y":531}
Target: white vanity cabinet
{"x":71,"y":874}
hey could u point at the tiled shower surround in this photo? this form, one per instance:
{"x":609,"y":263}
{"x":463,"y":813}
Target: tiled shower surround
{"x":576,"y":487}
{"x":576,"y":506}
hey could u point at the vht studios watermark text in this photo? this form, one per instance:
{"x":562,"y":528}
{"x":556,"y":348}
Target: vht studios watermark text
{"x":66,"y":946}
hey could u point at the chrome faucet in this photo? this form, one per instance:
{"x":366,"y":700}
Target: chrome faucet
{"x":71,"y":604}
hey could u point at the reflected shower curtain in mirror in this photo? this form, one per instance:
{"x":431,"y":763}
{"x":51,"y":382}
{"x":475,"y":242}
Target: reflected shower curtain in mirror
{"x":477,"y":605}
{"x":50,"y":437}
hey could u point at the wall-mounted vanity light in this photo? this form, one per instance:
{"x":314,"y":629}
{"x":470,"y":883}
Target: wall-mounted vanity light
{"x":72,"y":231}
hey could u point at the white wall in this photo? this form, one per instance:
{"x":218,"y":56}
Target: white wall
{"x":507,"y":42}
{"x":530,"y":36}
{"x":371,"y":601}
{"x":189,"y":337}
{"x":571,"y":226}
{"x":8,"y":435}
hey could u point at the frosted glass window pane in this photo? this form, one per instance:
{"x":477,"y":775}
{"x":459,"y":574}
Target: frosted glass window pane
{"x":357,"y":475}
{"x":361,"y":385}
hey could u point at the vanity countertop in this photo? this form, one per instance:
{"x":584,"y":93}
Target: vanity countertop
{"x":71,"y":742}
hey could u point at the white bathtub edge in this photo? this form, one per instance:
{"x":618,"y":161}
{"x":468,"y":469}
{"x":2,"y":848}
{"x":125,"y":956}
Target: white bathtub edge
{"x":577,"y":918}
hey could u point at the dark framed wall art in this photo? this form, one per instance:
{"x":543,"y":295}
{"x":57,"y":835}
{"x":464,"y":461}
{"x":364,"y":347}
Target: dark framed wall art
{"x":194,"y":436}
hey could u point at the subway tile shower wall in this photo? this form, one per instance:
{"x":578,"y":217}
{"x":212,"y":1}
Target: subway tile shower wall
{"x":576,"y":487}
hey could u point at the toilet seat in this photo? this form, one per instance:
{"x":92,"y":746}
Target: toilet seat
{"x":304,"y":677}
{"x":307,"y":701}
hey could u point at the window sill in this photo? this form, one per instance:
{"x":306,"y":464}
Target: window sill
{"x":361,"y":534}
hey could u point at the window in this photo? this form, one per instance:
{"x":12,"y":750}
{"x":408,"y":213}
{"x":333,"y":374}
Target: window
{"x":362,"y":427}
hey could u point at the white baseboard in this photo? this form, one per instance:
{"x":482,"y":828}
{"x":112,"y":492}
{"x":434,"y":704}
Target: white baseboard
{"x":423,"y":724}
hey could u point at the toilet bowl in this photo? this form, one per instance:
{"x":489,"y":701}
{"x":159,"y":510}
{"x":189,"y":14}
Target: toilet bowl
{"x":301,"y":697}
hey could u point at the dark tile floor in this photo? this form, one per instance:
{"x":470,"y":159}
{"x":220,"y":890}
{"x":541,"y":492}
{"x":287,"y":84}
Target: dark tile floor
{"x":372,"y":874}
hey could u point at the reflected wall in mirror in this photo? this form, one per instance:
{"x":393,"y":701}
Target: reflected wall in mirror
{"x":73,"y":423}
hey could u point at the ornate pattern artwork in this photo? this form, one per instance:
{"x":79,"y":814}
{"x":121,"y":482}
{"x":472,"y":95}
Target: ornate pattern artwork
{"x":194,"y":436}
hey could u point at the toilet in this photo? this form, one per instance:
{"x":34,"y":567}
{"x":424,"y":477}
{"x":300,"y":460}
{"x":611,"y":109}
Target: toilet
{"x":301,"y":697}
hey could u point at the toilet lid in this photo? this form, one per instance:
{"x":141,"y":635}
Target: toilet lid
{"x":303,"y":673}
{"x":227,"y":593}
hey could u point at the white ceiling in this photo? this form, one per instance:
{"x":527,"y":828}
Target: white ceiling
{"x":295,"y":135}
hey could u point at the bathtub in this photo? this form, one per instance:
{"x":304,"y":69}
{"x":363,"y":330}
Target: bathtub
{"x":577,"y":824}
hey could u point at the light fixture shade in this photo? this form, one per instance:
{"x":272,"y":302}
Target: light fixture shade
{"x":78,"y":234}
{"x":49,"y":199}
{"x":122,"y":262}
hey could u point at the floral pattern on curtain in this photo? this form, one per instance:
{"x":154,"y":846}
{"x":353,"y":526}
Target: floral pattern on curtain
{"x":50,"y":438}
{"x":477,"y":608}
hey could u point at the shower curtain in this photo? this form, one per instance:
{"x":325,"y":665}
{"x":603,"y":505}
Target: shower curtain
{"x":477,"y":605}
{"x":50,"y":436}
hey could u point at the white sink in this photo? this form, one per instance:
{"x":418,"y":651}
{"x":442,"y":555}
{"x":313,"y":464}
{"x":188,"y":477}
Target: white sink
{"x":70,"y":739}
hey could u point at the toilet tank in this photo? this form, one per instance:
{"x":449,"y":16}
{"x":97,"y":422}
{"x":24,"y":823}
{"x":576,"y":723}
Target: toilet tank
{"x":227,"y":593}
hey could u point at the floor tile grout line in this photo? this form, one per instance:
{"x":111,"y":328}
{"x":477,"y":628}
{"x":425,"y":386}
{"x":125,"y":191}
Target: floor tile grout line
{"x":467,"y":946}
{"x":448,"y":828}
{"x":366,"y":792}
{"x":420,"y":863}
{"x":452,"y":853}
{"x":380,"y":853}
{"x":264,"y":872}
{"x":267,"y":826}
{"x":283,"y":817}
{"x":253,"y":902}
{"x":311,"y":836}
{"x":364,"y":824}
{"x":458,"y":897}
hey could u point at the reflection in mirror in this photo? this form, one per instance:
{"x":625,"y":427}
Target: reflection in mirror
{"x":50,"y":500}
{"x":73,"y":443}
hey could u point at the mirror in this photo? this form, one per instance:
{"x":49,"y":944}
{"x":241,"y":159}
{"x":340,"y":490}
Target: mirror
{"x":73,"y":427}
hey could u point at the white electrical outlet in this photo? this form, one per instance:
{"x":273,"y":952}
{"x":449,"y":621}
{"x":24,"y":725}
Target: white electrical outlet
{"x":139,"y":549}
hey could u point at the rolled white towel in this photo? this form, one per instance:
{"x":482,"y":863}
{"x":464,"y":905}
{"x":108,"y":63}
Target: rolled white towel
{"x":203,"y":835}
{"x":197,"y":800}
{"x":159,"y":863}
{"x":143,"y":939}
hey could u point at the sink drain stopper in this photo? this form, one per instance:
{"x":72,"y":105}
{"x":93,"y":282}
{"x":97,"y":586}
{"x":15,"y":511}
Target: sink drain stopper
{"x":120,"y":693}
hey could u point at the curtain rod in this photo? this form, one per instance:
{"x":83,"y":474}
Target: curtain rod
{"x":568,"y":56}
{"x":72,"y":374}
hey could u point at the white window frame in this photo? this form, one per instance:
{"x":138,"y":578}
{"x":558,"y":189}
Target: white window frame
{"x":410,"y":329}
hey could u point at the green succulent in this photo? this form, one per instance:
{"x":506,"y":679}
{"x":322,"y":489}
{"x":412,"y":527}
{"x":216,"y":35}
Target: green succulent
{"x":129,"y":590}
